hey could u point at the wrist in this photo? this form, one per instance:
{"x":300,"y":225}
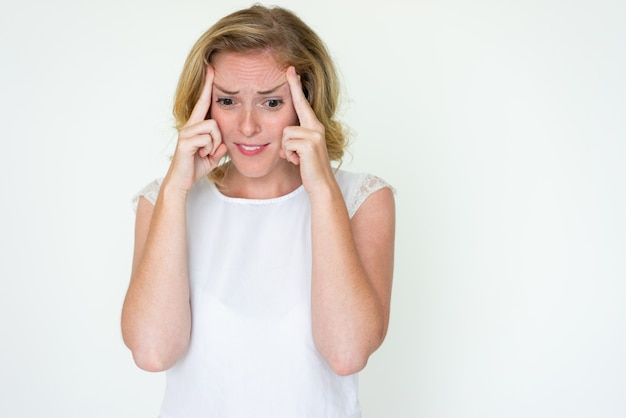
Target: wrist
{"x":326,"y":192}
{"x":172,"y":192}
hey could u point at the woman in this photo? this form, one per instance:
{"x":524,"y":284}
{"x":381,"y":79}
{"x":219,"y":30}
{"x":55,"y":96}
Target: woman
{"x":261,"y":276}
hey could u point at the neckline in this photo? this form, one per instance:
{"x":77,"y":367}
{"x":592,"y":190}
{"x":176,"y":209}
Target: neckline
{"x":243,"y":200}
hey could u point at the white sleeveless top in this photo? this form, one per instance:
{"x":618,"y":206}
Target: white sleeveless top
{"x":251,"y":352}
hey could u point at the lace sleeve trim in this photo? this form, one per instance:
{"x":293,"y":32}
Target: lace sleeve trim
{"x":150,"y":192}
{"x":368,"y":185}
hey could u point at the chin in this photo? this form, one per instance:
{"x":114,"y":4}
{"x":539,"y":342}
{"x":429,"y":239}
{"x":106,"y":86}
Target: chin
{"x":257,"y":169}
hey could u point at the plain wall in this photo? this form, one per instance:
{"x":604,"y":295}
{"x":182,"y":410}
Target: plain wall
{"x":500,"y":123}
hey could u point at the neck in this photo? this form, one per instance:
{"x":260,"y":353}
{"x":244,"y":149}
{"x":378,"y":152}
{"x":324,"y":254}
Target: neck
{"x":273,"y":185}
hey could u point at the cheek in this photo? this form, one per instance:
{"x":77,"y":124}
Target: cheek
{"x":276,"y":122}
{"x":288,"y":118}
{"x":271,"y":123}
{"x":293,"y":117}
{"x":222,"y":119}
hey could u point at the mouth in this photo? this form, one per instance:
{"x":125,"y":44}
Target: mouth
{"x":251,"y":150}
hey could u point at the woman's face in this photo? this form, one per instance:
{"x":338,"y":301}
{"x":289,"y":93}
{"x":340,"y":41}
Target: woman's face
{"x":251,"y":104}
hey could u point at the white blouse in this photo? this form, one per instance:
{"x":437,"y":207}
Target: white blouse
{"x":251,"y":352}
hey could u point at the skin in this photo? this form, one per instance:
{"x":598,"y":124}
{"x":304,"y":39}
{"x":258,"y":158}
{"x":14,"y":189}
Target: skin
{"x":352,"y":258}
{"x":247,"y":117}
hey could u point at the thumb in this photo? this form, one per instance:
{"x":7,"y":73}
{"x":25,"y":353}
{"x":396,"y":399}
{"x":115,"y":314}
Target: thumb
{"x":217,"y":156}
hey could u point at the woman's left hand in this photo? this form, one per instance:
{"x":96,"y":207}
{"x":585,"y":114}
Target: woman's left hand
{"x":305,"y":145}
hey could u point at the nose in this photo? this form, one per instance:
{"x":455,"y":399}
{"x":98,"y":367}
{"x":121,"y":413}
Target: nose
{"x":249,"y":124}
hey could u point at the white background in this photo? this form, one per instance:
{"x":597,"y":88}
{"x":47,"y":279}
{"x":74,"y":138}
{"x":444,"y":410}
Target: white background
{"x":502,"y":125}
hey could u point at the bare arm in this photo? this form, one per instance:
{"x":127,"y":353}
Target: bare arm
{"x":156,"y":316}
{"x":352,"y":276}
{"x":352,"y":260}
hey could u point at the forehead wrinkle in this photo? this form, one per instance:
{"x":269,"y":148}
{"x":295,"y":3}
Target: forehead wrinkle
{"x":272,"y":90}
{"x":223,"y":90}
{"x":262,"y":92}
{"x":235,"y":77}
{"x":234,"y":92}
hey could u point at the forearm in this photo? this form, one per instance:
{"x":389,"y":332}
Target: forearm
{"x":348,"y":316}
{"x":156,"y":319}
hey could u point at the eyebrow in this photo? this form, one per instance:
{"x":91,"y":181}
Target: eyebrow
{"x":272,"y":90}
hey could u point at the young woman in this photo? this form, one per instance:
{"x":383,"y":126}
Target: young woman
{"x":261,"y":277}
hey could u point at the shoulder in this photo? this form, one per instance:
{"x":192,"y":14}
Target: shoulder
{"x":150,"y":192}
{"x":357,"y":187}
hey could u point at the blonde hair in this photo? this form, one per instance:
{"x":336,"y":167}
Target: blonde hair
{"x":291,"y":42}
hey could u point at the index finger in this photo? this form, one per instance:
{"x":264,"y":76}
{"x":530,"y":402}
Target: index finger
{"x":300,"y":103}
{"x":200,"y":110}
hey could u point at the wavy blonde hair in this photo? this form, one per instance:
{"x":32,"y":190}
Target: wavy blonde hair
{"x":291,"y":42}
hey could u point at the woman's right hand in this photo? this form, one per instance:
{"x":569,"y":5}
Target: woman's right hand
{"x":199,"y":148}
{"x":156,"y":317}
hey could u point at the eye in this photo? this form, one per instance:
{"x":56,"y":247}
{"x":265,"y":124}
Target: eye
{"x":273,"y":103}
{"x":225,"y":101}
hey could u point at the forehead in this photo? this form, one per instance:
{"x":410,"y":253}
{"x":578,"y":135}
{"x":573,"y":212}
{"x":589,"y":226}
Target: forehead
{"x":237,"y":71}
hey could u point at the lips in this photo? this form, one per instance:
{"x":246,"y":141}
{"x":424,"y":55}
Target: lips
{"x":251,"y":150}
